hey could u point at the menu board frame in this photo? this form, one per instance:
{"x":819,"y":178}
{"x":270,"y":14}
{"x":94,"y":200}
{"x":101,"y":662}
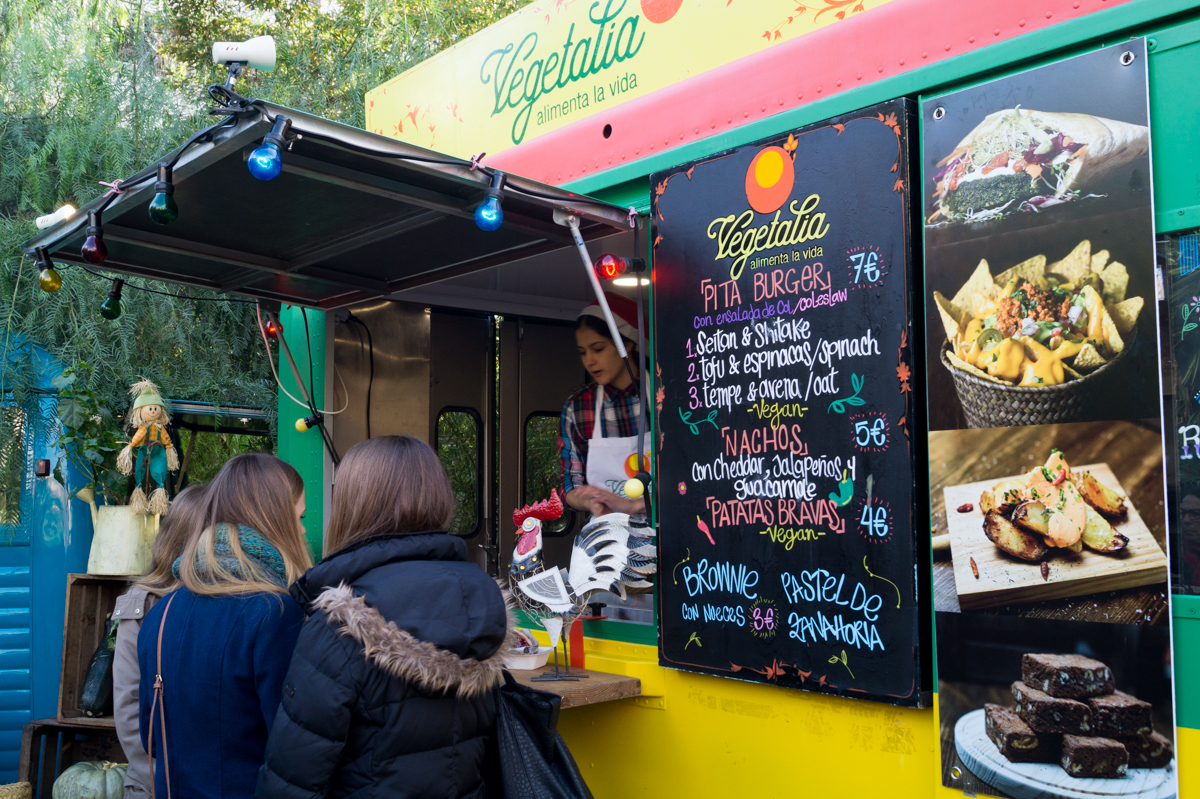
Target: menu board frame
{"x":846,"y":640}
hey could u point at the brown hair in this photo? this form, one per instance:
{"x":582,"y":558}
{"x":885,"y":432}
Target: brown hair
{"x":181,"y":523}
{"x":389,"y":484}
{"x":259,"y":491}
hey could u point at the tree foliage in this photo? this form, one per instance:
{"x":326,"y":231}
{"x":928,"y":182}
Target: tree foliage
{"x":93,"y":90}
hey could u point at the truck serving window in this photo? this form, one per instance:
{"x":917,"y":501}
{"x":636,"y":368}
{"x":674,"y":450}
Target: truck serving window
{"x":543,"y":467}
{"x":458,"y":438}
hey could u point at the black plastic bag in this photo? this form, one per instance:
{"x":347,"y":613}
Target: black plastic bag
{"x":96,"y":697}
{"x":527,"y":757}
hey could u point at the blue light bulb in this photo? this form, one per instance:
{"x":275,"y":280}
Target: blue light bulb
{"x":266,"y":162}
{"x":489,"y":215}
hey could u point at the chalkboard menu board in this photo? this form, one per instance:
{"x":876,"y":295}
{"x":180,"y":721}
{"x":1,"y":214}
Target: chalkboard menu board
{"x":787,"y":437}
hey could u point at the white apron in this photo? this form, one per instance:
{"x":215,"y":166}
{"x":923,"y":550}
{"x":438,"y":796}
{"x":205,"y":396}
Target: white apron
{"x":606,"y":458}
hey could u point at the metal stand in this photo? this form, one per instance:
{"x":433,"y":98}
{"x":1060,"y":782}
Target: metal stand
{"x":564,"y":674}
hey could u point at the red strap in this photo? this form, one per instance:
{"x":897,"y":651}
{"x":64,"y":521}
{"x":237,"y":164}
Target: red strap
{"x":157,"y":703}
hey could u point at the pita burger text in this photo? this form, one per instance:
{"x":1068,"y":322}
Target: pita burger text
{"x":1036,"y":326}
{"x":1020,"y":160}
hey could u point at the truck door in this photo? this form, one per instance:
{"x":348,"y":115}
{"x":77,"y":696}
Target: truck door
{"x":539,"y":369}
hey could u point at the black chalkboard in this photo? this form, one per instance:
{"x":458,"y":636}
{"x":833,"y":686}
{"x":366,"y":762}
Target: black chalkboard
{"x":783,"y":309}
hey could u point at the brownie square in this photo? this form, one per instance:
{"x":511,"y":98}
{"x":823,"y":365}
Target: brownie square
{"x":1148,"y":751}
{"x":1066,"y":676}
{"x":1094,"y":757}
{"x":1120,"y":714}
{"x":1016,"y":740}
{"x":1046,"y":713}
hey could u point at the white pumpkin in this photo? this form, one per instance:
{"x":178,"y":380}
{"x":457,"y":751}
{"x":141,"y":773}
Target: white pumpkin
{"x":92,"y":780}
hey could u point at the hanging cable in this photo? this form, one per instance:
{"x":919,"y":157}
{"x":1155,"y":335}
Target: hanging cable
{"x":312,"y":389}
{"x":271,"y":360}
{"x":160,"y":293}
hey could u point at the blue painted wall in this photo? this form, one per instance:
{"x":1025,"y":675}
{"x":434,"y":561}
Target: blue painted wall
{"x":35,"y":557}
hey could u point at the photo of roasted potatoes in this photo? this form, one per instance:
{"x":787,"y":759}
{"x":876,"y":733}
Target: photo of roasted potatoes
{"x":1051,"y":509}
{"x":1013,"y":540}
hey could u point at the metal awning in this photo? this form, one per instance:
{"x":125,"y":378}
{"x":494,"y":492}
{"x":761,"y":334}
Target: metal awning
{"x":338,"y":226}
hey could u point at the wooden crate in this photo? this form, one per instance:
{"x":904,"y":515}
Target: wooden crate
{"x":50,"y":746}
{"x":90,"y":600}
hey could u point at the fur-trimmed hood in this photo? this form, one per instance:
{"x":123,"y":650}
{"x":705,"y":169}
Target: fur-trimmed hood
{"x":419,"y":611}
{"x":402,"y":655}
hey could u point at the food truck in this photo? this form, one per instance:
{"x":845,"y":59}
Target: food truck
{"x":893,"y":249}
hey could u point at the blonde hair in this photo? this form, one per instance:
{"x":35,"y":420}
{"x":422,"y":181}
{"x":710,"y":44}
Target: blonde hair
{"x":178,"y":527}
{"x":259,"y":491}
{"x":389,"y":484}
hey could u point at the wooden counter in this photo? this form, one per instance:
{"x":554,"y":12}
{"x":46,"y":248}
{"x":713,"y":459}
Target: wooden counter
{"x":598,"y":687}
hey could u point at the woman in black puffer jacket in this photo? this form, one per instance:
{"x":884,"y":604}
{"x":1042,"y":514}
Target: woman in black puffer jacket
{"x":391,"y":687}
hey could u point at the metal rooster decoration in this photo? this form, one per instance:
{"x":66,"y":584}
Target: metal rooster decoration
{"x":612,"y":553}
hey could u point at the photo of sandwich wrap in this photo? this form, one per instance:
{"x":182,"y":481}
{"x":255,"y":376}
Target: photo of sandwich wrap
{"x":1021,"y":159}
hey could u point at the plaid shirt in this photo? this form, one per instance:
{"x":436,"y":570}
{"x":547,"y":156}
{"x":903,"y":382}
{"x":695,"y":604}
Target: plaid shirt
{"x":577,"y":421}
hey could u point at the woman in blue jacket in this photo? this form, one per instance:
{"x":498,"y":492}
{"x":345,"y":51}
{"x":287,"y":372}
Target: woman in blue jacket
{"x":227,"y":634}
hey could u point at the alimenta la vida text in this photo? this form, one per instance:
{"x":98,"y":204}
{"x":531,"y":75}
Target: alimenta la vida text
{"x":600,"y":92}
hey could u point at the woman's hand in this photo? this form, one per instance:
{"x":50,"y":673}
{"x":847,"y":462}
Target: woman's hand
{"x":597,"y":501}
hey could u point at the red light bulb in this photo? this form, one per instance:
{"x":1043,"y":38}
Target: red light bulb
{"x":609,"y":266}
{"x":272,"y":330}
{"x":93,"y":250}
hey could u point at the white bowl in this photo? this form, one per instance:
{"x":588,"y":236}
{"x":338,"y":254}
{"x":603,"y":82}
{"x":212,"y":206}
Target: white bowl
{"x":519,"y":661}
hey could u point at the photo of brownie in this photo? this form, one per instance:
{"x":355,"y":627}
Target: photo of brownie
{"x":1148,"y":751}
{"x":1094,"y":757}
{"x":1016,"y":740}
{"x":1045,"y":713}
{"x":1120,"y":714}
{"x":1067,"y":676}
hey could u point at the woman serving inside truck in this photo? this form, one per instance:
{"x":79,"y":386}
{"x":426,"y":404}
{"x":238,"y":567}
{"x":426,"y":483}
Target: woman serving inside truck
{"x":597,"y":459}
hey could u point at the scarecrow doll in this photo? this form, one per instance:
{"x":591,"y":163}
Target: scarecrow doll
{"x":155,"y":454}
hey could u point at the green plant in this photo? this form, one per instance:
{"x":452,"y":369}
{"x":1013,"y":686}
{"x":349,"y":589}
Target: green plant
{"x":89,"y":437}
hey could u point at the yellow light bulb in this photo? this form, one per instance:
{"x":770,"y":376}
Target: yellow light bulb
{"x":50,"y":280}
{"x":301,"y":427}
{"x":634,"y":488}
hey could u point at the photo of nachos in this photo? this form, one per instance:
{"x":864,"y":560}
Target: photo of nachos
{"x":1037,"y":325}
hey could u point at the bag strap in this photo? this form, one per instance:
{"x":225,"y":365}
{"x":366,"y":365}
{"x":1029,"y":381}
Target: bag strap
{"x":157,"y":704}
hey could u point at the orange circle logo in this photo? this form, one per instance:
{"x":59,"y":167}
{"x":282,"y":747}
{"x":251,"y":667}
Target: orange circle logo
{"x":769,"y":179}
{"x":660,"y":11}
{"x":631,"y":469}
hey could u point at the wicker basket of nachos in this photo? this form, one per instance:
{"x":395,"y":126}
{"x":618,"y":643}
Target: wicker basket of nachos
{"x":1028,"y":346}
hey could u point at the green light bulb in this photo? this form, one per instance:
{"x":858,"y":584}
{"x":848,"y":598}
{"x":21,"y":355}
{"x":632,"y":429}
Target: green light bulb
{"x":163,"y":210}
{"x":111,"y":308}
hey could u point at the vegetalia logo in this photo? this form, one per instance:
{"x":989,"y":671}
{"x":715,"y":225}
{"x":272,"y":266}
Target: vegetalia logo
{"x":521,"y":74}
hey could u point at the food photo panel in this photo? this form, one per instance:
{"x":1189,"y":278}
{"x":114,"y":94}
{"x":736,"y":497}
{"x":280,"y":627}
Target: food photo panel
{"x":1051,"y":565}
{"x":1039,"y":246}
{"x":1032,"y":708}
{"x":1051,"y":521}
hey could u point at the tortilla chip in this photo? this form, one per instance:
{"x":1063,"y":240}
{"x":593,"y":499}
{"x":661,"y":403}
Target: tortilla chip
{"x":1099,"y":260}
{"x":1075,"y":265}
{"x":1125,"y":314}
{"x":966,"y":367}
{"x":1089,"y":358}
{"x":1029,"y":270}
{"x":1116,"y":282}
{"x":980,"y":286}
{"x":954,"y":318}
{"x":1072,"y":373}
{"x":1108,"y":328}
